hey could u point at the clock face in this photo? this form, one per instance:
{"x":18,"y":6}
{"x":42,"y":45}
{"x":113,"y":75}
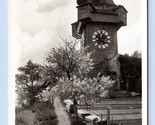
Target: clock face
{"x":101,"y":38}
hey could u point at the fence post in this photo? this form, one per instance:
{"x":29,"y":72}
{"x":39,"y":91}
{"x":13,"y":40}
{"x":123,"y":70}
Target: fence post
{"x":108,"y":116}
{"x":112,"y":119}
{"x":101,"y":118}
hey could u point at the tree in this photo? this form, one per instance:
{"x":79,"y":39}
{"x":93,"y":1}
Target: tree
{"x":71,"y":65}
{"x":88,"y":88}
{"x":28,"y":83}
{"x":131,"y":71}
{"x":68,"y":59}
{"x":137,"y":54}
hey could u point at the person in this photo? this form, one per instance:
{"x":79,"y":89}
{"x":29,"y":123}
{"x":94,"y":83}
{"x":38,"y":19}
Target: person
{"x":71,"y":109}
{"x":74,"y":100}
{"x":95,"y":121}
{"x":75,"y":108}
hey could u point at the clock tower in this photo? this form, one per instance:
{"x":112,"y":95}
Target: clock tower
{"x":97,"y":26}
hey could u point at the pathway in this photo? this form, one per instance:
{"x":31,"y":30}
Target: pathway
{"x":61,"y":113}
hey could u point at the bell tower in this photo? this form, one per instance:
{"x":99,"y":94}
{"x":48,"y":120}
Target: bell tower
{"x":97,"y":26}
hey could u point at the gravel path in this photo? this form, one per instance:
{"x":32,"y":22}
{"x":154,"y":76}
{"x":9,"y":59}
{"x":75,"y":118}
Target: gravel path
{"x":61,"y":113}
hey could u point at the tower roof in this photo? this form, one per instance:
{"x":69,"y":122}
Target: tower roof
{"x":107,"y":2}
{"x":97,"y":2}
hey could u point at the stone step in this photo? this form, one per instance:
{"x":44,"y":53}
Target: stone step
{"x":104,"y":107}
{"x":116,"y":112}
{"x":128,"y":122}
{"x":120,"y":103}
{"x":123,"y":117}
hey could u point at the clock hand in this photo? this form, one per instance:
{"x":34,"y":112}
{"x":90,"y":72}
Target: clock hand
{"x":99,"y":39}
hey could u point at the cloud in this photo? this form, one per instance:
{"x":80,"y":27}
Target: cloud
{"x":31,"y":21}
{"x":50,"y":5}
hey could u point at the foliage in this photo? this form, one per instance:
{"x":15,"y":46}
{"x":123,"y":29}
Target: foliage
{"x":68,"y":60}
{"x":28,"y":83}
{"x":130,"y":68}
{"x":87,"y":87}
{"x":136,"y":54}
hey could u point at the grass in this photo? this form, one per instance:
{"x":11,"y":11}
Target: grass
{"x":25,"y":116}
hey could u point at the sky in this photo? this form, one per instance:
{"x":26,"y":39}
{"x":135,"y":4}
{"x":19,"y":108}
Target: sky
{"x":37,"y":25}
